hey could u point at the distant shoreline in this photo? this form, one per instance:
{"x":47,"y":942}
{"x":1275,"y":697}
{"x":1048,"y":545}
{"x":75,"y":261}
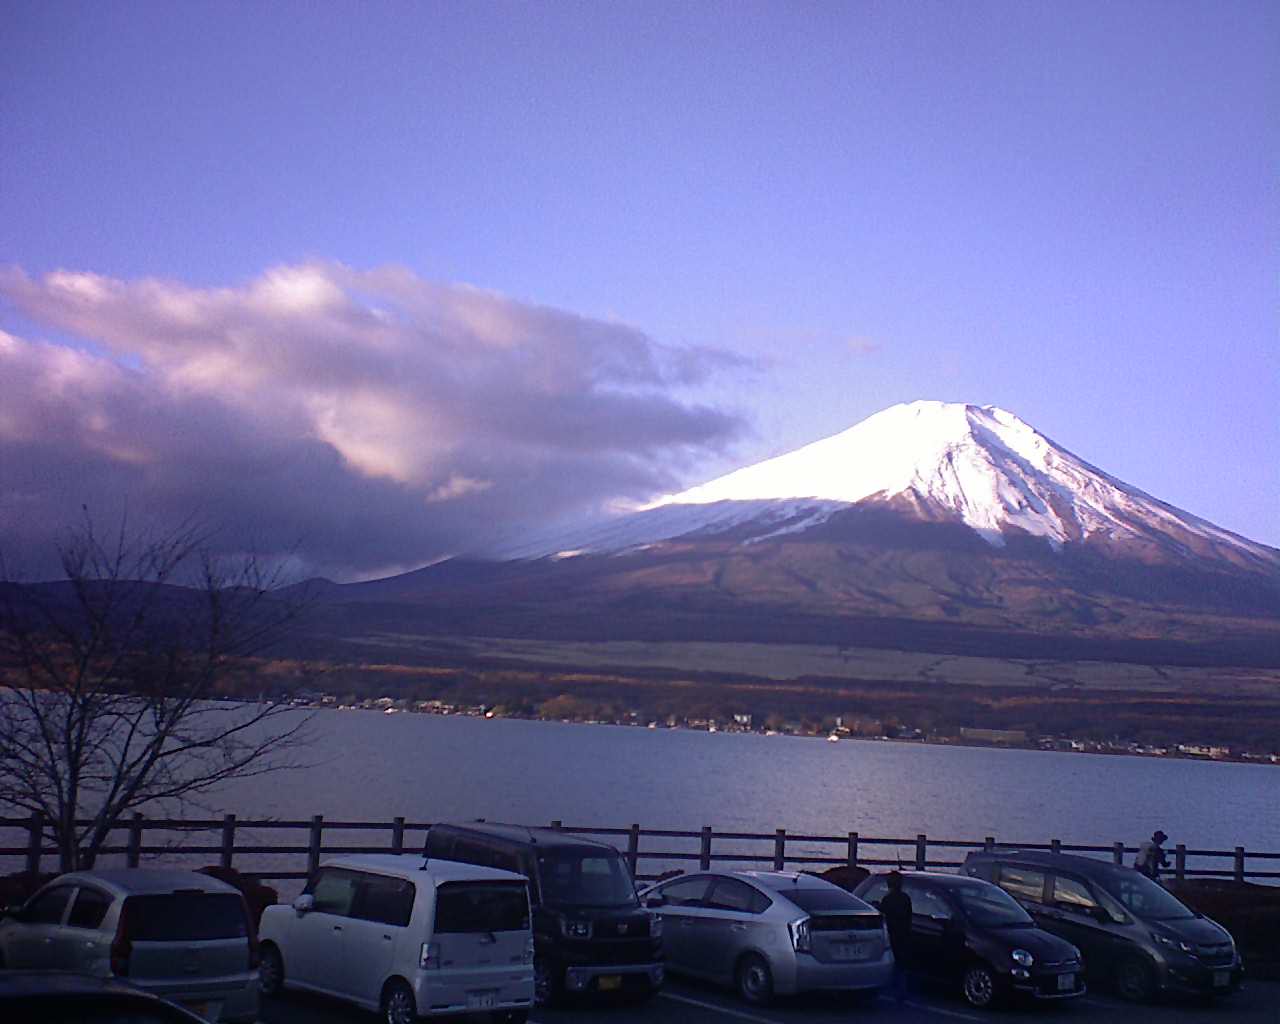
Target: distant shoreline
{"x":1063,"y":745}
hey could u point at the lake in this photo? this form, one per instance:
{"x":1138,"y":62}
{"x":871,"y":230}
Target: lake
{"x":429,"y":768}
{"x":370,"y":766}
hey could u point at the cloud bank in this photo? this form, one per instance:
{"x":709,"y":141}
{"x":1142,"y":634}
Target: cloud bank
{"x":370,"y":420}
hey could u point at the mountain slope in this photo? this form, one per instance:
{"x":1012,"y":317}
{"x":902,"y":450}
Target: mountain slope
{"x":931,"y":461}
{"x":947,"y":528}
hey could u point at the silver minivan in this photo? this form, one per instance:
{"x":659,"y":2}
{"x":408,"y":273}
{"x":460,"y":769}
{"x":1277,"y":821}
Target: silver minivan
{"x":407,"y":937}
{"x":767,"y":932}
{"x":178,"y":934}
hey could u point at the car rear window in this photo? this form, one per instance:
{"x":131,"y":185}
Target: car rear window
{"x":186,"y":916}
{"x":482,"y":907}
{"x":817,"y":901}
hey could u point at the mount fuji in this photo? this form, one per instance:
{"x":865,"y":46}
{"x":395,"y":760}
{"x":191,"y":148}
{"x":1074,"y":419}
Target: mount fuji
{"x":938,"y":462}
{"x":928,"y":526}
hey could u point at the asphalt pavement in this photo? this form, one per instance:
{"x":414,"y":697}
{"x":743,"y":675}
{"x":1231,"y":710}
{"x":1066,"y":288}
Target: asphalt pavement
{"x":682,"y":1002}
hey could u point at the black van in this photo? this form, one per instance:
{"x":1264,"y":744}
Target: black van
{"x":1125,"y":924}
{"x":590,"y":933}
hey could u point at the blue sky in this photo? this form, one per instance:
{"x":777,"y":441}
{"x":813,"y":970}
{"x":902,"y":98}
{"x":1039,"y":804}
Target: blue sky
{"x":759,"y":224}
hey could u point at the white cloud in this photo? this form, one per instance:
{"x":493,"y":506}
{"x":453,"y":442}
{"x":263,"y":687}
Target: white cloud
{"x":360,"y":409}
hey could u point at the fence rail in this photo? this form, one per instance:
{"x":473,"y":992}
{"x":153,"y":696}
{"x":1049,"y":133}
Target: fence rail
{"x":232,"y":838}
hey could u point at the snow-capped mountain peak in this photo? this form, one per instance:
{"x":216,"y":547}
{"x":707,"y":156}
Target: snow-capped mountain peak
{"x":977,"y":465}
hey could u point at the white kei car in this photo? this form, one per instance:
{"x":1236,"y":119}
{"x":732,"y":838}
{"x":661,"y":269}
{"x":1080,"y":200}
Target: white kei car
{"x":406,"y":937}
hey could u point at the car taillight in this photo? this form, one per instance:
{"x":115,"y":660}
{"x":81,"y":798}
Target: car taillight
{"x":121,"y":946}
{"x":429,"y":956}
{"x":800,"y":935}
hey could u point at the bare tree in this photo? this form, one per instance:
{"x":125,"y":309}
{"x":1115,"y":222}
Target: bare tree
{"x":111,"y":674}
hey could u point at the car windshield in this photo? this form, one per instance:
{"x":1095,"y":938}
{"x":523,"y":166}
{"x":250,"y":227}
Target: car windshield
{"x":817,"y":901}
{"x":1145,"y":899}
{"x":585,"y":878}
{"x":991,"y":907}
{"x":186,"y":917}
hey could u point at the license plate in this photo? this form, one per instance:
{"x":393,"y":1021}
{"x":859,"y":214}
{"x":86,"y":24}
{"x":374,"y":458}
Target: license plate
{"x":1221,"y":979}
{"x":482,"y":1000}
{"x":1066,"y":982}
{"x":851,"y":950}
{"x":609,"y":982}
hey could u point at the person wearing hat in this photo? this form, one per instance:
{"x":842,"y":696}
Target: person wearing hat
{"x":1151,"y":856}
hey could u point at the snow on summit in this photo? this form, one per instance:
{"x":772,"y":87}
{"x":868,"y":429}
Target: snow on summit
{"x":979,"y":465}
{"x":982,"y":464}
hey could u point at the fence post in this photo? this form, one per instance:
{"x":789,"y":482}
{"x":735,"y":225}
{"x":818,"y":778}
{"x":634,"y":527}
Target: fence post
{"x":852,"y":858}
{"x":989,"y":844}
{"x":633,"y":849}
{"x":397,"y":835}
{"x":228,"y":838}
{"x":922,"y":852}
{"x":35,"y":834}
{"x":1117,"y":852}
{"x":1180,"y":862}
{"x":704,"y":856}
{"x":313,"y":849}
{"x":133,"y":854}
{"x":1239,"y":863}
{"x":779,"y":849}
{"x":1055,"y":845}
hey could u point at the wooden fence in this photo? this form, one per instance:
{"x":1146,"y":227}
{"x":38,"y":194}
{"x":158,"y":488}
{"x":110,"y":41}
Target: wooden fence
{"x":233,"y":842}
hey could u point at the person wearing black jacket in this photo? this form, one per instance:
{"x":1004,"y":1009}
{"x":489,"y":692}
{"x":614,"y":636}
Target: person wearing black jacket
{"x":896,"y":910}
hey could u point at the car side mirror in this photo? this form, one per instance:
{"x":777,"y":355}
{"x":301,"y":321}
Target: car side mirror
{"x":305,"y":903}
{"x":653,"y":902}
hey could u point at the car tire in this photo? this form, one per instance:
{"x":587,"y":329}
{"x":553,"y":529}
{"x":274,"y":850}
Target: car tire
{"x":1134,"y":979}
{"x":270,"y":971}
{"x":754,"y":980}
{"x":978,"y":985}
{"x":546,"y":982}
{"x":398,"y":1004}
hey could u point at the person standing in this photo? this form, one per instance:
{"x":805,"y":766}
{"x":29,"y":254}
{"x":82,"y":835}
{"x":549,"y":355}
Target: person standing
{"x":896,"y":910}
{"x":1151,"y":856}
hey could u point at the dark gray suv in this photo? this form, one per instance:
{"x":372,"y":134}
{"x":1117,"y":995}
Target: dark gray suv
{"x":1128,"y":927}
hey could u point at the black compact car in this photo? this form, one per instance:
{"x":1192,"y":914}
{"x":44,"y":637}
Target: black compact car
{"x":1145,"y":938}
{"x":590,"y":933}
{"x":970,"y":932}
{"x":68,"y":997}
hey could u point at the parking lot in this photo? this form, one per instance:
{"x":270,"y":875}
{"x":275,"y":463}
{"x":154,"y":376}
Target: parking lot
{"x":683,"y":1002}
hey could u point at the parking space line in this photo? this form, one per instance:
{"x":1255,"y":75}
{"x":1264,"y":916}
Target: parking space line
{"x":718,"y":1009}
{"x":926,"y":1008}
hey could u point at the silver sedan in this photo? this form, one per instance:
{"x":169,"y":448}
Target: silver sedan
{"x":771,"y":932}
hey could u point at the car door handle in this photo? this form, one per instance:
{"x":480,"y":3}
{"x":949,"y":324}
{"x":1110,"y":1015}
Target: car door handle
{"x":337,"y":927}
{"x":686,"y":923}
{"x":739,"y":927}
{"x":386,"y":938}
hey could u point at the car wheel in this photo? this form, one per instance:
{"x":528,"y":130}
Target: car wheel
{"x":1135,"y":980}
{"x":979,"y":986}
{"x":398,"y":1005}
{"x":546,"y":982}
{"x":755,"y":980}
{"x":270,"y":971}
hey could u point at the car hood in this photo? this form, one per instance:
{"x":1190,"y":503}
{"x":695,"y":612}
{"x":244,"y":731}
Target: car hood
{"x":1046,"y":948}
{"x":1196,"y":930}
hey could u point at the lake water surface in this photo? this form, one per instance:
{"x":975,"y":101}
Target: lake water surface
{"x":432,"y":768}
